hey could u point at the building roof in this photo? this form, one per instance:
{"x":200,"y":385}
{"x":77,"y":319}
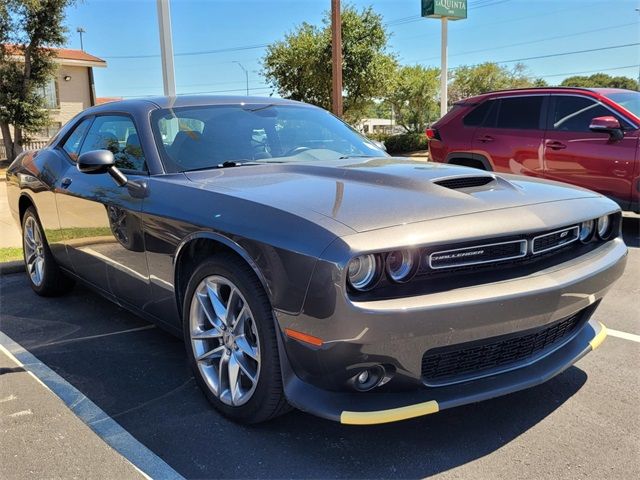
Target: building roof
{"x":65,"y":56}
{"x":101,"y":100}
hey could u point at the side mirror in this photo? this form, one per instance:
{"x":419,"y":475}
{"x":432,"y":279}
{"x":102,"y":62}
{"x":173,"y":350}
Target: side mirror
{"x":101,"y":161}
{"x":607,"y":124}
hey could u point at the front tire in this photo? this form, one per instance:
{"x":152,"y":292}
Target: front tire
{"x":45,"y":276}
{"x":231,"y":343}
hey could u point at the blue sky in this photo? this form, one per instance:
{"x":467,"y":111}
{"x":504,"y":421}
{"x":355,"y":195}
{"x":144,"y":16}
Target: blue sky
{"x":495,"y":30}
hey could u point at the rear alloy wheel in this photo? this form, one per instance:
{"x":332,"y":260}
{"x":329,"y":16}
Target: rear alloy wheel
{"x":231,"y":340}
{"x":45,"y":276}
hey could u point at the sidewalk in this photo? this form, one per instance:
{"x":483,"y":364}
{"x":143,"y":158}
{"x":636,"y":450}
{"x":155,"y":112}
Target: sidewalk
{"x":41,"y":438}
{"x":9,"y":231}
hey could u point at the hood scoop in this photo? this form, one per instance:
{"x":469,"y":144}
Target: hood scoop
{"x":468,"y":181}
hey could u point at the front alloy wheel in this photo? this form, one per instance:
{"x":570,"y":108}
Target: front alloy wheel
{"x":33,"y":250}
{"x":230,"y":334}
{"x":225,"y":341}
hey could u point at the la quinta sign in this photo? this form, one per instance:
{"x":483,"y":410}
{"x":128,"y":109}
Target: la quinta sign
{"x":451,"y":9}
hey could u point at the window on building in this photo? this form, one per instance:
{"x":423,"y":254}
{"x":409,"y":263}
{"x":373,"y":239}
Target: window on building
{"x":50,"y":94}
{"x":50,"y":130}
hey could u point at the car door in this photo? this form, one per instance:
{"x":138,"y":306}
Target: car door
{"x":101,"y":221}
{"x":512,"y":133}
{"x":576,"y":155}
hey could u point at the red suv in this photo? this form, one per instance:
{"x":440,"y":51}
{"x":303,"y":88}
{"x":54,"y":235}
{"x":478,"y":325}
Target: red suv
{"x":587,"y":137}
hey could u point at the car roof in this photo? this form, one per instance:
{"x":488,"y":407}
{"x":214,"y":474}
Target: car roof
{"x":538,"y":90}
{"x":152,"y":103}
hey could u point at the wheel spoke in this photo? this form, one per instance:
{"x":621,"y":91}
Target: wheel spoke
{"x":218,"y":307}
{"x":206,"y":334}
{"x":244,"y":366}
{"x":204,"y":302}
{"x":39,"y":268}
{"x":223,"y":372}
{"x":238,"y":323}
{"x":31,"y":256}
{"x":246,"y":348}
{"x":233,"y":368}
{"x":211,"y":353}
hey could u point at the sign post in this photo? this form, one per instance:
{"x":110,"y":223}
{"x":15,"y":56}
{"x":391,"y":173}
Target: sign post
{"x":444,"y":10}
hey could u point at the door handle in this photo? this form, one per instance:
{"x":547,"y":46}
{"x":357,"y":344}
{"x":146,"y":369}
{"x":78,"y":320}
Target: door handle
{"x":66,"y":182}
{"x":556,"y":145}
{"x":486,"y":138}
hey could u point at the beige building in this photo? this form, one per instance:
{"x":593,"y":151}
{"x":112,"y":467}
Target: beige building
{"x":71,"y":90}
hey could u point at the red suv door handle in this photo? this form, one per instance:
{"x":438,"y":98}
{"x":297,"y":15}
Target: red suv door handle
{"x":486,"y":138}
{"x":556,"y":145}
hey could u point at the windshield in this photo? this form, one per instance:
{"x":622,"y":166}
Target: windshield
{"x":195,"y":138}
{"x":629,"y":100}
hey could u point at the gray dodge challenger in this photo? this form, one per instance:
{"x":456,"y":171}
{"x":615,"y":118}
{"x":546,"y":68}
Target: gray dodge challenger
{"x":305,"y":267}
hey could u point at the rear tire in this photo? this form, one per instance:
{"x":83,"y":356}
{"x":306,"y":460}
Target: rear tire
{"x":231,"y":343}
{"x":44,"y":274}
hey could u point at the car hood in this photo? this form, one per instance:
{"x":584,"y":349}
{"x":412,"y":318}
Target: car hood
{"x":380,"y":192}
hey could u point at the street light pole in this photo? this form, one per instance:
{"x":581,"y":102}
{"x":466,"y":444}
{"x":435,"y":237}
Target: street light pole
{"x":443,"y":68}
{"x":166,"y":48}
{"x":336,"y":57}
{"x":246,"y":75}
{"x":81,"y":30}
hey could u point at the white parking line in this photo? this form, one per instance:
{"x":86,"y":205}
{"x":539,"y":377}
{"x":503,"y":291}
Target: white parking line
{"x":627,"y":336}
{"x":91,"y":337}
{"x":93,"y":416}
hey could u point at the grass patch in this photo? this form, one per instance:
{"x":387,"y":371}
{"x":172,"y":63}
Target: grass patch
{"x":10,"y":254}
{"x":73,"y":233}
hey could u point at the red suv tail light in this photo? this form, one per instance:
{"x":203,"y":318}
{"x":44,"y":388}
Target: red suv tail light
{"x":432,"y":133}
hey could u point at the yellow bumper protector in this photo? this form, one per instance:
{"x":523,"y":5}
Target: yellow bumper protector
{"x":391,"y":415}
{"x":599,"y":338}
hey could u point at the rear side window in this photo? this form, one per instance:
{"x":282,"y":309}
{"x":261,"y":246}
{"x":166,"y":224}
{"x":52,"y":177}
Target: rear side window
{"x":520,"y":112}
{"x":73,"y":142}
{"x":476,"y":116}
{"x":574,"y":114}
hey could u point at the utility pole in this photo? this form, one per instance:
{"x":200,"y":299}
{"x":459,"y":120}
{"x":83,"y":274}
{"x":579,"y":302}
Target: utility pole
{"x":336,"y":57}
{"x":246,"y":75}
{"x":166,"y":48}
{"x":443,"y":68}
{"x":81,"y":30}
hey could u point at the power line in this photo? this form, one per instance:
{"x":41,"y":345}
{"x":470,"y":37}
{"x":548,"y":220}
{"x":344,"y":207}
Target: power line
{"x":588,"y":71}
{"x":612,"y":47}
{"x":535,"y":41}
{"x":185,"y":54}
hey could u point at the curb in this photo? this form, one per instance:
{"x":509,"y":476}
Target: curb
{"x":8,"y":268}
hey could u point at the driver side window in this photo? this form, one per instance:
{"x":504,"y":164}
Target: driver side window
{"x":118,"y":134}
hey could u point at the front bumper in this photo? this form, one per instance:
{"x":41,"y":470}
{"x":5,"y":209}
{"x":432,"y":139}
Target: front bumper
{"x":373,"y":408}
{"x":397,"y":332}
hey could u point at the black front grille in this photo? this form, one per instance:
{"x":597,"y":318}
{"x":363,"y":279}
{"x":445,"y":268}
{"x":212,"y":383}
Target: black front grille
{"x":444,"y":365}
{"x":478,"y":254}
{"x":464,"y":182}
{"x":554,"y":240}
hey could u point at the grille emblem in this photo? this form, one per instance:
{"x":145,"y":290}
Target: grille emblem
{"x":477,"y":254}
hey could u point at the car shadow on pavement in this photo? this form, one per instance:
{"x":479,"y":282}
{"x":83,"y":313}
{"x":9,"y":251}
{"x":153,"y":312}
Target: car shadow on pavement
{"x":631,"y":231}
{"x":141,"y":379}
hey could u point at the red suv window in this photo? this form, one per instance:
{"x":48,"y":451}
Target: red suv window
{"x":520,"y":112}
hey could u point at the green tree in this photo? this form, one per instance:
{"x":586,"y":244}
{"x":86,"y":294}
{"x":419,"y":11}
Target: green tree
{"x":600,"y":80}
{"x":299,"y":67}
{"x":27,"y":28}
{"x":413,"y":96}
{"x":473,"y":80}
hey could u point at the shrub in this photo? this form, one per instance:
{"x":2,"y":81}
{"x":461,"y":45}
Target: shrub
{"x":406,"y":142}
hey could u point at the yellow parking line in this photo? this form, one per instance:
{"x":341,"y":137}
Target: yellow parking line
{"x":599,"y":338}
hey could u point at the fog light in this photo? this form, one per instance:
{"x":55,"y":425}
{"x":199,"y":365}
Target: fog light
{"x":369,"y":378}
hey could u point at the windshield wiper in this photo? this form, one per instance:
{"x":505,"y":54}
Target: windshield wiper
{"x":227,"y":164}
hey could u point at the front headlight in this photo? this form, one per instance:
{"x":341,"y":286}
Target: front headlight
{"x":363,"y":272}
{"x":401,"y":265}
{"x":604,"y":227}
{"x":586,"y":231}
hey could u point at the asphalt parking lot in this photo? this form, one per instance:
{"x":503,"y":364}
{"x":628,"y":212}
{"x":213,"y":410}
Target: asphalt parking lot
{"x":583,"y":423}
